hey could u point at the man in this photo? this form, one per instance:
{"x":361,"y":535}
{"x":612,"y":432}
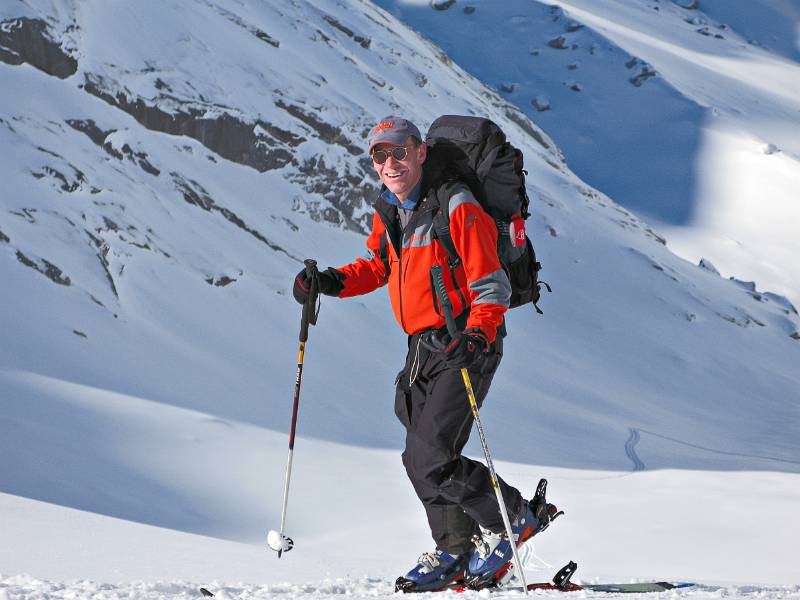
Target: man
{"x":431,"y":402}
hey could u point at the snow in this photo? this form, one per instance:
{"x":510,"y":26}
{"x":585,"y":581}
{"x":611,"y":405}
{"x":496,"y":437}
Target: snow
{"x":676,"y":148}
{"x":144,"y":406}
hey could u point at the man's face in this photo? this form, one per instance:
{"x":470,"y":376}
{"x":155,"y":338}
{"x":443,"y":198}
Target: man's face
{"x":400,"y":176}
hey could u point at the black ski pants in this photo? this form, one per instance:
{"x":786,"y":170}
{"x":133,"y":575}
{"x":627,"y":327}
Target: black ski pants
{"x":431,"y":403}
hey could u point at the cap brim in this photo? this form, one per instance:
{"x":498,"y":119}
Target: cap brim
{"x":386,"y":137}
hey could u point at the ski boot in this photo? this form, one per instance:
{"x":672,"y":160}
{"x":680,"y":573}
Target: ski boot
{"x":491,"y":560}
{"x":435,"y":571}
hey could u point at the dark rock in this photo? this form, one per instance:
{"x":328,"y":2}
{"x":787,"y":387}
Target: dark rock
{"x":708,"y":266}
{"x":468,"y":10}
{"x":90,"y":128}
{"x":98,"y":136}
{"x":102,"y":255}
{"x":442,"y":4}
{"x":26,"y":213}
{"x":646,"y":73}
{"x":79,"y":333}
{"x":541,"y":104}
{"x":346,"y":193}
{"x":196,"y":195}
{"x":265,"y":37}
{"x":228,"y":136}
{"x":220,"y":281}
{"x":49,"y":152}
{"x":66,"y":185}
{"x":4,"y":238}
{"x":327,"y":133}
{"x":48,"y":269}
{"x":364,"y":42}
{"x":750,"y":286}
{"x":162,"y":86}
{"x":559,"y":43}
{"x":29,"y":41}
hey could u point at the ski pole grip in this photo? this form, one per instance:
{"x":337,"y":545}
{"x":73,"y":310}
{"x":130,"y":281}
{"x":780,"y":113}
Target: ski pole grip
{"x":311,"y":266}
{"x":309,"y":307}
{"x":444,"y":300}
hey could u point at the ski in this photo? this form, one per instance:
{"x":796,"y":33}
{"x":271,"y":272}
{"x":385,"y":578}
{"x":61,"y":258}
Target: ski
{"x":561,"y":582}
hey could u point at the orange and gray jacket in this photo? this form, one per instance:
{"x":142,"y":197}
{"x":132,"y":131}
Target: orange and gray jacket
{"x":476,"y":283}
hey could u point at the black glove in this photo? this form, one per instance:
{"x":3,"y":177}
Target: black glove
{"x":329,"y":282}
{"x":461,"y":352}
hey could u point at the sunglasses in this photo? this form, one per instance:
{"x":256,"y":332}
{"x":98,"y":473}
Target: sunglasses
{"x":398,"y":153}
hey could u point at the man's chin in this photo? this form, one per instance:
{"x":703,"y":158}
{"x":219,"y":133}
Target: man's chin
{"x":397,"y":188}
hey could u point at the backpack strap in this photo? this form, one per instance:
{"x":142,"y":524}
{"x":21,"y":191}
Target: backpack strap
{"x":383,"y":254}
{"x":441,"y":231}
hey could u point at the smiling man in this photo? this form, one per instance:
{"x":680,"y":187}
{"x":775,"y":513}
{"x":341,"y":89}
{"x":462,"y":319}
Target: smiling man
{"x":430,"y":400}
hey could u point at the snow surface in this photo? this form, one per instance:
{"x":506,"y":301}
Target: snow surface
{"x":144,"y":406}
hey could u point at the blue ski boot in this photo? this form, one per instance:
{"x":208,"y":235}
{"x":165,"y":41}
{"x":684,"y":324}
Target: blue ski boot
{"x":492,"y":557}
{"x":435,"y":571}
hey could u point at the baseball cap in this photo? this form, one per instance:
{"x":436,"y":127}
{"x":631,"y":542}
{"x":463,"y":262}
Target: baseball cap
{"x":392,"y":130}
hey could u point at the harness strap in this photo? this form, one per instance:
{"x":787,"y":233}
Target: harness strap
{"x":383,"y":254}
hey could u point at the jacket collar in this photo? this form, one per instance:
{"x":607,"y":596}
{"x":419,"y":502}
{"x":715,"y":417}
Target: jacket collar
{"x":409,"y":203}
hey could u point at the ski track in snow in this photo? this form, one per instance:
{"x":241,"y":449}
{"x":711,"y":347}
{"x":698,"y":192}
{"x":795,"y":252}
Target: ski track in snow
{"x":29,"y":588}
{"x":630,"y":449}
{"x":638,"y":465}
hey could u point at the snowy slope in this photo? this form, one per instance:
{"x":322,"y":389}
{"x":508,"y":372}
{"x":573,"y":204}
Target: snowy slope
{"x":164,"y":173}
{"x":687,"y":113}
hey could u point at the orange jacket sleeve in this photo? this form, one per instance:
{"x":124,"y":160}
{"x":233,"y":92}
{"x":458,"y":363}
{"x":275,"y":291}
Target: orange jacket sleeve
{"x":474,"y":235}
{"x":366,"y":274}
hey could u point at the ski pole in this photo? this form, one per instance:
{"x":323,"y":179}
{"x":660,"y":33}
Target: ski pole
{"x":452,"y":329}
{"x":277,"y":540}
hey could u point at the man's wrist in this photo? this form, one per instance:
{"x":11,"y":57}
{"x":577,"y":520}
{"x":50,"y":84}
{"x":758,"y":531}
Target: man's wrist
{"x":479,"y":334}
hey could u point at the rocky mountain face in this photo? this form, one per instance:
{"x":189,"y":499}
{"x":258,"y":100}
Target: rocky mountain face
{"x":246,"y":139}
{"x":289,"y":89}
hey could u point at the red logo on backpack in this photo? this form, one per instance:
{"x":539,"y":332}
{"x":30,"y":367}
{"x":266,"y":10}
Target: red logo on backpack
{"x":516,"y":231}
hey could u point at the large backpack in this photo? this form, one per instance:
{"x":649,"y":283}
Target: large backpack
{"x":474,"y":151}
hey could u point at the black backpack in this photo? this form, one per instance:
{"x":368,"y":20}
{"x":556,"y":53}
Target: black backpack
{"x":474,"y":151}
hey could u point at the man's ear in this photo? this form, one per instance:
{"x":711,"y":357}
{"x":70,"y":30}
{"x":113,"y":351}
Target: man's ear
{"x":423,"y":152}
